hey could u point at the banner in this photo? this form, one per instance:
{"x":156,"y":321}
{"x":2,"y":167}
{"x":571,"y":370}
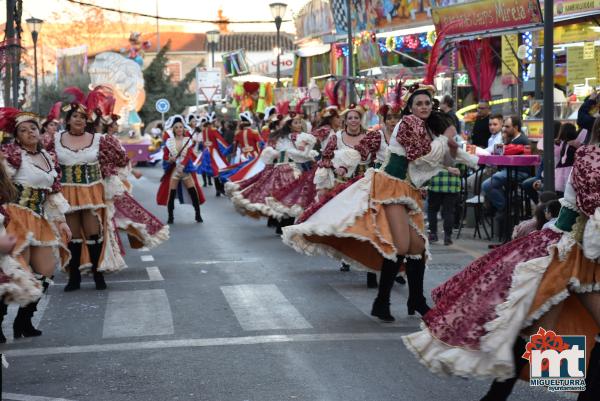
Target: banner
{"x":367,"y":51}
{"x":484,"y":16}
{"x":567,"y":9}
{"x":314,"y":19}
{"x":71,"y":62}
{"x":579,"y":70}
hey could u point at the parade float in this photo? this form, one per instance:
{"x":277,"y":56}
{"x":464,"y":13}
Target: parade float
{"x":123,"y":75}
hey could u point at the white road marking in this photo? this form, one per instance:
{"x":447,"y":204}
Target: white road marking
{"x":24,"y":397}
{"x":147,"y":258}
{"x":205,"y":342}
{"x":137,"y":313}
{"x":144,"y":249}
{"x":12,"y":313}
{"x":217,"y":262}
{"x":154,"y":274}
{"x":358,"y":295}
{"x":263,"y":307}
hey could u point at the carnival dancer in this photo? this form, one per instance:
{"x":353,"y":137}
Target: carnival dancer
{"x":212,"y":149}
{"x":89,"y":163}
{"x":548,"y":279}
{"x":178,"y":163}
{"x":270,"y":115}
{"x":35,"y":214}
{"x":330,"y":122}
{"x":50,"y":124}
{"x":378,"y":221}
{"x":292,"y":147}
{"x":142,"y":227}
{"x":247,"y":141}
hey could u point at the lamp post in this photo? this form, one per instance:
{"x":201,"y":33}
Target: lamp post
{"x":35,"y":26}
{"x":278,"y":11}
{"x":213,"y":40}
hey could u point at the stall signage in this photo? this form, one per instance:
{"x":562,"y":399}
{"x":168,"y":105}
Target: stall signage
{"x":566,"y":9}
{"x":588,"y":50}
{"x":510,"y":63}
{"x":483,"y":16}
{"x":580,"y":71}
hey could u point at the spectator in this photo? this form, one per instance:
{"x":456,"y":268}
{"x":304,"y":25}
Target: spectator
{"x":551,"y":211}
{"x":494,"y":187}
{"x":495,"y":128}
{"x":447,"y":106}
{"x":534,"y":185}
{"x":481,"y":130}
{"x":527,"y":226}
{"x":584,"y":119}
{"x":564,"y":163}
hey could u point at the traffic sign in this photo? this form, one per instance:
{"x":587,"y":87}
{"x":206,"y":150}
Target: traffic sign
{"x":162,"y":105}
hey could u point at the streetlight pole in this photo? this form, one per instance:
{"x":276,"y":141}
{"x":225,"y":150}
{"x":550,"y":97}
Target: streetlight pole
{"x":278,"y":11}
{"x":212,"y":37}
{"x":350,"y":61}
{"x":35,"y":26}
{"x":548,"y":95}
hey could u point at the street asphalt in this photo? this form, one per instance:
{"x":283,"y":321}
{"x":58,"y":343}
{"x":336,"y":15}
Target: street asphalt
{"x":226,"y":312}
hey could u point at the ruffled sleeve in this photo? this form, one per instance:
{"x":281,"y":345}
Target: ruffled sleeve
{"x":111,"y":156}
{"x":12,"y":158}
{"x":56,"y":206}
{"x":268,"y":155}
{"x":413,"y":137}
{"x":56,"y":186}
{"x":347,"y":159}
{"x":328,"y":152}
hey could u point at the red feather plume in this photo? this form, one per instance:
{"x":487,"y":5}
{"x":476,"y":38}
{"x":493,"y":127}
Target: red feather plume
{"x":435,"y":53}
{"x":54,"y":113}
{"x":283,"y":108}
{"x":7,"y":118}
{"x":298,"y":108}
{"x":78,"y":95}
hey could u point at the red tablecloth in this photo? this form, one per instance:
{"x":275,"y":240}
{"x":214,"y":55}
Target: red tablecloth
{"x":516,"y":160}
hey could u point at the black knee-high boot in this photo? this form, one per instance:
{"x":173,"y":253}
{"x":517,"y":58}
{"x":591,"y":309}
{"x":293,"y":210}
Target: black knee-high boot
{"x":499,"y":391}
{"x":95,"y":248}
{"x":171,"y":205}
{"x":22,"y":326}
{"x":209,"y":180}
{"x":3,"y":309}
{"x":196,"y":203}
{"x":415,"y":273}
{"x":74,"y":274}
{"x":592,"y":380}
{"x":219,"y":187}
{"x":381,"y":305}
{"x":371,"y":280}
{"x":204,"y":182}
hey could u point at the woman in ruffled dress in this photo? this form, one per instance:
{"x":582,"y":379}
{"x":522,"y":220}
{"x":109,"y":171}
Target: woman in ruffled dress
{"x":212,"y":148}
{"x":50,"y":124}
{"x":180,"y":172}
{"x":377,"y":221}
{"x":290,"y":149}
{"x":330,"y":122}
{"x":142,"y":227}
{"x":548,"y":279}
{"x":89,"y":164}
{"x":34,"y":217}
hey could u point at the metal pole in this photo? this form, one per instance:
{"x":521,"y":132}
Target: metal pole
{"x":16,"y":53}
{"x":350,"y":60}
{"x":278,"y":21}
{"x":157,"y":30}
{"x":548,"y":95}
{"x":212,"y":51}
{"x":34,"y":36}
{"x":538,"y":72}
{"x":10,"y":34}
{"x":519,"y":83}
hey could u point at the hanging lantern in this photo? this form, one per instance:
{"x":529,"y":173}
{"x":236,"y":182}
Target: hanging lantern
{"x":431,"y":37}
{"x":411,"y":42}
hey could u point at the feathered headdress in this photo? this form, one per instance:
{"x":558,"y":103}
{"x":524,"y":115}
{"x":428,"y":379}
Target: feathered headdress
{"x":298,"y":108}
{"x":354,"y":107}
{"x":396,"y":101}
{"x":92,"y":105}
{"x":53,"y":114}
{"x":11,"y":117}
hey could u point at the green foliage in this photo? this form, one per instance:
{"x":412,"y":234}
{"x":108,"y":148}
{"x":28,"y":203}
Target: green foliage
{"x":159,"y":85}
{"x":52,"y":93}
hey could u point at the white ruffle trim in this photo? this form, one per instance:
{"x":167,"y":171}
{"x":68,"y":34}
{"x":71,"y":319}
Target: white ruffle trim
{"x":231,"y":187}
{"x":23,"y":288}
{"x":347,"y":158}
{"x":113,"y":186}
{"x":280,"y":209}
{"x":56,"y":206}
{"x":149,"y":241}
{"x":268,"y":155}
{"x":591,"y":236}
{"x":324,"y":178}
{"x":244,"y":206}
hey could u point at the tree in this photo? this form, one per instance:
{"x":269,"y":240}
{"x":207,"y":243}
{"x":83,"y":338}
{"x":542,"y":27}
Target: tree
{"x":51,"y":93}
{"x":159,"y":85}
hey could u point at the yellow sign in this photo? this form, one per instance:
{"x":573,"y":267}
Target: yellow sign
{"x":588,"y":51}
{"x":535,"y":129}
{"x":579,"y":32}
{"x":510,"y":63}
{"x":578,"y":70}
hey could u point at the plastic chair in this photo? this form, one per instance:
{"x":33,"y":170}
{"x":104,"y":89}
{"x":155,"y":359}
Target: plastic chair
{"x":476,"y":203}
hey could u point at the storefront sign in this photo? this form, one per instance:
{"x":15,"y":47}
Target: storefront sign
{"x":566,"y":9}
{"x":314,"y":19}
{"x":483,"y":16}
{"x":510,"y":63}
{"x":578,"y":70}
{"x":535,"y":129}
{"x":588,"y":50}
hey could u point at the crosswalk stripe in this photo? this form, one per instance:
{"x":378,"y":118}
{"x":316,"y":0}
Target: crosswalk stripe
{"x":12,"y":313}
{"x":357,"y":295}
{"x":137,"y":313}
{"x":154,"y":274}
{"x":263,"y":307}
{"x":147,"y":258}
{"x":24,"y":397}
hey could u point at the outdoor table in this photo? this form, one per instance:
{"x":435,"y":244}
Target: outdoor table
{"x":510,"y":163}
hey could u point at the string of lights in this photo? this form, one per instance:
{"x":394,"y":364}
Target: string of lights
{"x":174,"y":19}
